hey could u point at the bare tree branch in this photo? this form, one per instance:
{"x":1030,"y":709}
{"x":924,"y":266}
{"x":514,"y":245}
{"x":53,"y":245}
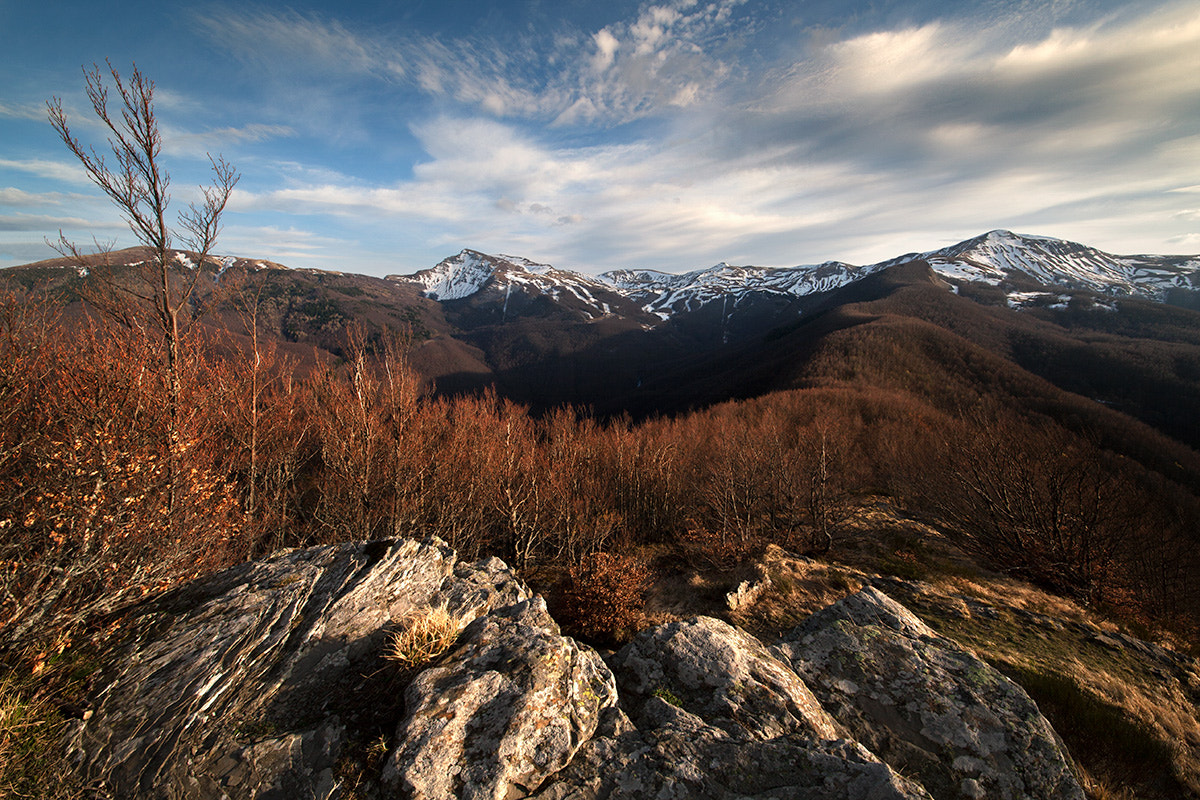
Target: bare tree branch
{"x":137,"y":185}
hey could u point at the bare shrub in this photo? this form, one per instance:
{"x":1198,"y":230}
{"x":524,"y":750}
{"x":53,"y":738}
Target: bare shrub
{"x":1033,"y":500}
{"x":160,"y":292}
{"x":102,"y":508}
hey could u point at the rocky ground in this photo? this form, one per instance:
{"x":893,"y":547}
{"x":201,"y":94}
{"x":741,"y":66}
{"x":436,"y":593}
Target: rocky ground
{"x":274,"y":680}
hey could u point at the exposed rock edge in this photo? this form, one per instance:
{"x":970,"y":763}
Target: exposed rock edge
{"x":262,"y":682}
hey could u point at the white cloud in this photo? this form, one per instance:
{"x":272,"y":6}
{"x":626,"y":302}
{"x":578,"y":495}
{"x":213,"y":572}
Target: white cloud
{"x":888,"y":61}
{"x":27,"y":111}
{"x":65,"y":171}
{"x":620,"y":72}
{"x":1189,"y":240}
{"x":12,"y":196}
{"x":292,"y":246}
{"x":311,"y":44}
{"x":177,"y":141}
{"x":606,"y":49}
{"x":40,"y":222}
{"x":857,"y":148}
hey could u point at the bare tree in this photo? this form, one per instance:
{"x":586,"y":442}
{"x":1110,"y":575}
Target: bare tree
{"x":1036,"y":500}
{"x":137,"y":184}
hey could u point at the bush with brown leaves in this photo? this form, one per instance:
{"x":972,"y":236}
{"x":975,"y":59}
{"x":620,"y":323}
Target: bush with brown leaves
{"x":603,"y":596}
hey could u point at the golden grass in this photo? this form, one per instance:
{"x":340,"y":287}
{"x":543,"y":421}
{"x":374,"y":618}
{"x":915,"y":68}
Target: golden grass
{"x":423,"y":637}
{"x":799,"y":588}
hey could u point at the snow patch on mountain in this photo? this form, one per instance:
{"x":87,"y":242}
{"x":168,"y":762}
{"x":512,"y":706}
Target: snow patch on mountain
{"x":996,"y":258}
{"x":1020,"y":300}
{"x":470,"y":273}
{"x":1000,"y":255}
{"x":666,"y":294}
{"x":456,"y":277}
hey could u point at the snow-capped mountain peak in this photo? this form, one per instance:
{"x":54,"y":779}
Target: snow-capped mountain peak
{"x":997,"y":257}
{"x":1000,"y":255}
{"x":456,"y":277}
{"x":502,"y":278}
{"x":665,"y":294}
{"x":469,"y":272}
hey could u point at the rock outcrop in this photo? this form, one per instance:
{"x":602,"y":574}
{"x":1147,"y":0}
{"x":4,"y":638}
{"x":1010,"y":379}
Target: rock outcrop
{"x":266,"y":681}
{"x":925,"y":705}
{"x":250,"y":683}
{"x":507,"y":709}
{"x":712,"y":714}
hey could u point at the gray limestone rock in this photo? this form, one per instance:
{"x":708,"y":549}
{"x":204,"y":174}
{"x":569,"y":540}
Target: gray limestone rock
{"x":717,"y":716}
{"x":687,"y":760}
{"x":718,"y":672}
{"x":257,"y":682}
{"x":243,"y":684}
{"x":925,"y":705}
{"x":508,"y":708}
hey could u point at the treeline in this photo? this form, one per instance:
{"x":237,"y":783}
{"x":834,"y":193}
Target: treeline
{"x":110,"y":490}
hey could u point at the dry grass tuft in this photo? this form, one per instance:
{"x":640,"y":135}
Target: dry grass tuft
{"x":30,"y":766}
{"x":423,"y":637}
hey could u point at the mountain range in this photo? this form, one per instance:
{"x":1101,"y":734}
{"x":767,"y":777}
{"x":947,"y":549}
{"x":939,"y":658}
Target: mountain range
{"x":1050,"y":323}
{"x":996,"y":258}
{"x":1121,"y":331}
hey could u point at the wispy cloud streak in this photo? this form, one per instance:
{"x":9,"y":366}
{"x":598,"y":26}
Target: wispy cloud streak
{"x":690,"y":131}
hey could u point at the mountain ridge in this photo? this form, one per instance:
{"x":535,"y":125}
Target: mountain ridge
{"x":647,"y":343}
{"x":998,"y":257}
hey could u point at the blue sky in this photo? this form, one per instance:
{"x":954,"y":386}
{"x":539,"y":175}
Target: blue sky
{"x":380,"y":137}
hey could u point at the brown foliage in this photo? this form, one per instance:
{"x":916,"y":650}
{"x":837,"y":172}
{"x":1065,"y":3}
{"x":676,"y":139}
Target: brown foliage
{"x":602,"y":598}
{"x":100,"y":504}
{"x":270,"y":457}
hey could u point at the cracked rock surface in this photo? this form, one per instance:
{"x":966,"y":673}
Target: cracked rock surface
{"x":926,"y":705}
{"x":265,"y":680}
{"x":508,"y":708}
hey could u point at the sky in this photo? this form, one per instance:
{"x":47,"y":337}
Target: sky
{"x":381,"y":137}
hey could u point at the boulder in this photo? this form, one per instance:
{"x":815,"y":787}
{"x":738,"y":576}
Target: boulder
{"x":508,"y":708}
{"x":712,"y":714}
{"x":244,"y":684}
{"x":721,"y":674}
{"x":676,"y":755}
{"x":925,"y":705}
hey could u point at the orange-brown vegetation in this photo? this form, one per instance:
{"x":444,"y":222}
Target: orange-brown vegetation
{"x":602,"y":599}
{"x":106,"y":495}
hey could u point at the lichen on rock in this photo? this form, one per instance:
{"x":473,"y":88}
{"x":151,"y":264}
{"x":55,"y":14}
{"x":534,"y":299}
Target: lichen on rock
{"x":259,"y":682}
{"x":508,"y":708}
{"x":926,"y":705}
